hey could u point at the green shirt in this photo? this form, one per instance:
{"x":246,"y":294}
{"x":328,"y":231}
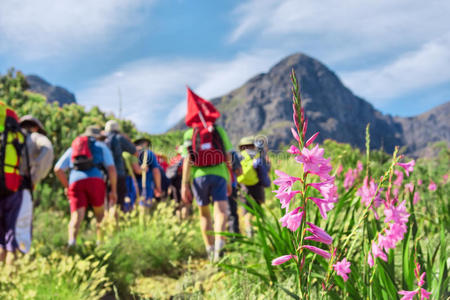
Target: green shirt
{"x":219,"y":170}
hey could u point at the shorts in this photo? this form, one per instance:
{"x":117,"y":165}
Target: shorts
{"x":256,"y":192}
{"x":15,"y":221}
{"x":89,"y":191}
{"x":209,"y":186}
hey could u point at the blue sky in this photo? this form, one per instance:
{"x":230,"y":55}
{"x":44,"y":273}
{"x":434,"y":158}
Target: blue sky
{"x":394,"y":54}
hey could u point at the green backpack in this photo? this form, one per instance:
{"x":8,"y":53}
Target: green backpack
{"x":249,"y":175}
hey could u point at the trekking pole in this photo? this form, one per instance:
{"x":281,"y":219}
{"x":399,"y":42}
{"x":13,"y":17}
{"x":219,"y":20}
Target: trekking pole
{"x":144,"y":184}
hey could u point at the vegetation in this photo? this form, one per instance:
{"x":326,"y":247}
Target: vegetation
{"x":160,"y":256}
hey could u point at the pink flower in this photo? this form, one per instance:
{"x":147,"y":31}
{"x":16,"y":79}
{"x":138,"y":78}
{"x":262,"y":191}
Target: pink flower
{"x":408,"y":295}
{"x":359,"y":166}
{"x":377,"y":252}
{"x":409,"y":187}
{"x":419,"y":182}
{"x":327,"y":189}
{"x":282,"y":259}
{"x":409,"y":167}
{"x":422,"y":279}
{"x":284,"y":180}
{"x":293,"y":150}
{"x":368,"y":192}
{"x":398,"y":213}
{"x":432,"y":186}
{"x":318,"y":251}
{"x":314,"y":162}
{"x":323,"y":205}
{"x":285,"y":197}
{"x":370,"y":259}
{"x":349,"y":180}
{"x":319,"y":235}
{"x":311,"y":139}
{"x":399,"y":180}
{"x":424,"y":294}
{"x":444,"y":179}
{"x":339,"y":170}
{"x":342,"y":268}
{"x":292,"y":220}
{"x":416,"y":198}
{"x":295,"y":134}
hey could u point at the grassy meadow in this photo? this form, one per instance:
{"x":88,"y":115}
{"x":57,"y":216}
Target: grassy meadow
{"x":159,"y":256}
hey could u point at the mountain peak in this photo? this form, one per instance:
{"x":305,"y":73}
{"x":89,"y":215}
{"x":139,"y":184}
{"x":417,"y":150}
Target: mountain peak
{"x":263,"y":106}
{"x":52,"y":93}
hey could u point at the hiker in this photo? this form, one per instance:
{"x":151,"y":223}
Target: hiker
{"x":27,"y":159}
{"x":174,"y":173}
{"x":206,"y":161}
{"x":86,"y":159}
{"x":165,"y":182}
{"x":118,"y":143}
{"x":149,"y":182}
{"x":233,"y":217}
{"x":133,"y":169}
{"x":254,"y":177}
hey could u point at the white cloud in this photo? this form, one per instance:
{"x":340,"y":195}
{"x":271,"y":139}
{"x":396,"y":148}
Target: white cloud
{"x":382,"y":49}
{"x":45,"y":28}
{"x":339,"y":30}
{"x":412,"y":71}
{"x":153,"y":91}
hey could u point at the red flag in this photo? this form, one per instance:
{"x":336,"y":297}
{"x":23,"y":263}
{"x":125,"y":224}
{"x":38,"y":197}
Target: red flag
{"x":200,"y":112}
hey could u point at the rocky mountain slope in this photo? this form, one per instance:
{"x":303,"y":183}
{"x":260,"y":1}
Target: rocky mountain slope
{"x":262,"y":106}
{"x":53,"y":93}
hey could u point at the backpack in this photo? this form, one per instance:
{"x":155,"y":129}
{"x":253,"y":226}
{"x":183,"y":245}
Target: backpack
{"x":12,"y":141}
{"x":207,"y":147}
{"x":249,"y":174}
{"x":85,"y":154}
{"x":175,"y":169}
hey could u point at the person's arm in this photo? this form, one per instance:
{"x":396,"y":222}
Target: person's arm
{"x":136,"y":168}
{"x":60,"y":169}
{"x":157,"y":179}
{"x":186,"y":194}
{"x":112,"y":175}
{"x":61,"y":175}
{"x":126,"y":145}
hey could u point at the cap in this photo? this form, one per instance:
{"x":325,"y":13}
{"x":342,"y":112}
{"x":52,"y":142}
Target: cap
{"x":248,"y":140}
{"x":93,"y":130}
{"x":140,"y":140}
{"x":29,"y":119}
{"x":112,"y":125}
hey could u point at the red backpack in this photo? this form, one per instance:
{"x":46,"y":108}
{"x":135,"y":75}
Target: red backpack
{"x":82,"y":156}
{"x":207,"y":147}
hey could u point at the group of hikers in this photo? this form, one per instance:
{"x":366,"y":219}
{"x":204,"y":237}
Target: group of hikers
{"x":105,"y":170}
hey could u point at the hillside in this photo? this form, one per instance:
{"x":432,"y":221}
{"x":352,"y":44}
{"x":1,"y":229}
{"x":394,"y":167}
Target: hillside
{"x":52,"y":93}
{"x":263,"y":106}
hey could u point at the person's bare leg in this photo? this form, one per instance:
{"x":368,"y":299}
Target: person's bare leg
{"x":10,"y":257}
{"x":76,"y":218}
{"x":248,"y":224}
{"x":2,"y":255}
{"x":206,"y":225}
{"x":99,"y":212}
{"x":220,"y":217}
{"x":220,"y":223}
